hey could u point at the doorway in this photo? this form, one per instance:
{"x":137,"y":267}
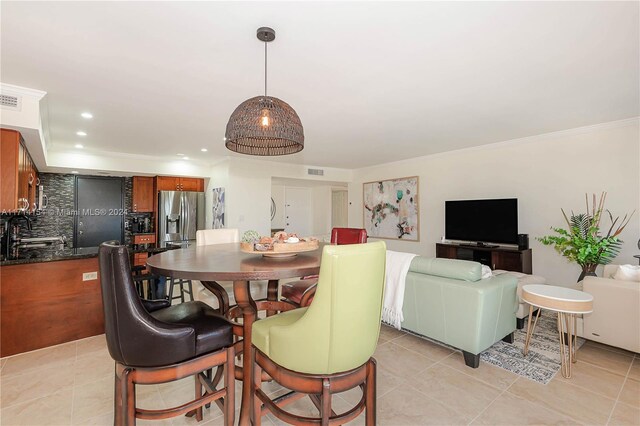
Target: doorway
{"x":100,"y":211}
{"x":297,"y":210}
{"x":339,"y":209}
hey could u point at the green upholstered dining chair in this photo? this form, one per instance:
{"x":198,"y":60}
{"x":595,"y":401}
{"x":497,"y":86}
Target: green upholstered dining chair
{"x":326,"y":348}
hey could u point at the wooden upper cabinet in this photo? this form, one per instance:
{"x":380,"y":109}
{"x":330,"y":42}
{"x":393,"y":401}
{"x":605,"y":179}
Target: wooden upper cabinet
{"x":174,"y":183}
{"x":190,"y":184}
{"x":10,"y":164}
{"x":142,"y":194}
{"x":168,"y":183}
{"x":18,"y":174}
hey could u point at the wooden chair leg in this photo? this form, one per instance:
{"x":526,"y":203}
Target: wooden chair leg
{"x":190,"y":284}
{"x":117,"y":400}
{"x":128,"y":398}
{"x":199,"y":414}
{"x":325,"y":412}
{"x":256,"y":411}
{"x":229,"y":384}
{"x":370,"y":393}
{"x":181,"y":291}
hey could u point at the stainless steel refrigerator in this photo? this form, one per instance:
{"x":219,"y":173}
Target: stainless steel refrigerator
{"x":180,"y":215}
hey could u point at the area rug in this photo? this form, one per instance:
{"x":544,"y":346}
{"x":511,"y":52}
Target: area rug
{"x":542,"y":362}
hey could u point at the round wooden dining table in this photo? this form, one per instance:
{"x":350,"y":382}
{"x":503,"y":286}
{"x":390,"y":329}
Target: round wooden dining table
{"x":226,"y":262}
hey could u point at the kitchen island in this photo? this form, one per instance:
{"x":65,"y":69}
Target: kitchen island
{"x":51,"y":299}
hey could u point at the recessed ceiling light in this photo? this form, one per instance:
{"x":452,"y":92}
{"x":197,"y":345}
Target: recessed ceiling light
{"x":79,"y":146}
{"x":81,"y":133}
{"x":204,"y":150}
{"x":185,"y":158}
{"x":75,"y":172}
{"x":179,"y":154}
{"x":87,"y":115}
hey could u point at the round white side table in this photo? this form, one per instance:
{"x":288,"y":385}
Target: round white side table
{"x":567,"y":303}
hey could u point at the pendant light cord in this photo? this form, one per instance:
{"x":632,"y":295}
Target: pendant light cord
{"x":265,"y":69}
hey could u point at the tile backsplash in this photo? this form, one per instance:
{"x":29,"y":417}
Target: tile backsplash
{"x":58,"y":218}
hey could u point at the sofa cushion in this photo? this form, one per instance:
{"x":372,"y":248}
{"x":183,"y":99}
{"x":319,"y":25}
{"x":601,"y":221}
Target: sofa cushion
{"x":627,"y":273}
{"x":523,"y":279}
{"x":447,"y":268}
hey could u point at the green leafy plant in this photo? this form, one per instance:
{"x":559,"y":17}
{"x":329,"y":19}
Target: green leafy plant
{"x":583,"y":242}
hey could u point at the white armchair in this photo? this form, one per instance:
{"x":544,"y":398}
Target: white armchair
{"x":615,"y":319}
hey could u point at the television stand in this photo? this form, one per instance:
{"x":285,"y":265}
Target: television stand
{"x":479,"y":244}
{"x":509,"y":259}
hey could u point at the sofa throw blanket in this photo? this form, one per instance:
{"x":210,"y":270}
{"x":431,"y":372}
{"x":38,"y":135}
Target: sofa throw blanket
{"x":397,"y":267}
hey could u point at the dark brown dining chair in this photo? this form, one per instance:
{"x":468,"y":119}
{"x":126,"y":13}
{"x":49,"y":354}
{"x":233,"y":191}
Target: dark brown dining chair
{"x":153,"y":343}
{"x":300,"y":293}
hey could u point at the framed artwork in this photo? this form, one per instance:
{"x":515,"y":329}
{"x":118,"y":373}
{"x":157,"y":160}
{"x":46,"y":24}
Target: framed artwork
{"x":218,"y":208}
{"x":391,"y":209}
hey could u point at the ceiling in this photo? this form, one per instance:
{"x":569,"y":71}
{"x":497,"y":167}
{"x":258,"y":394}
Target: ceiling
{"x":372,"y":82}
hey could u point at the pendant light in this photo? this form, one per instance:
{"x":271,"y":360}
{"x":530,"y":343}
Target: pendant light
{"x":264,"y":125}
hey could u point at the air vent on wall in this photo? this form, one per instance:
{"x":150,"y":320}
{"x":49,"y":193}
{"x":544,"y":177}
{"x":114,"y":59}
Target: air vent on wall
{"x":10,"y":102}
{"x":315,"y":172}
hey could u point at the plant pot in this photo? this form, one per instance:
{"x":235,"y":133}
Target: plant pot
{"x":588,"y":271}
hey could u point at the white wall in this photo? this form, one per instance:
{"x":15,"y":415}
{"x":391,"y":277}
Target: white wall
{"x":248,"y":189}
{"x":277,"y":194}
{"x":320,"y":209}
{"x":545,"y":173}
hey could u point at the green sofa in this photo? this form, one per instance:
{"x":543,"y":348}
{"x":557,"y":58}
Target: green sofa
{"x":446,"y":300}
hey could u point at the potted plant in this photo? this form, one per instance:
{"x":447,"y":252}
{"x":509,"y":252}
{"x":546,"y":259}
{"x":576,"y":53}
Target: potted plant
{"x":583,"y":242}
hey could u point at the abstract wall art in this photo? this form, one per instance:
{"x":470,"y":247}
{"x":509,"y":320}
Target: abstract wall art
{"x":391,"y":209}
{"x":218,"y":208}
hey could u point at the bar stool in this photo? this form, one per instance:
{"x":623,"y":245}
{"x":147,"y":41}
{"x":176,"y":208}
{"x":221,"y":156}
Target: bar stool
{"x":183,"y":290}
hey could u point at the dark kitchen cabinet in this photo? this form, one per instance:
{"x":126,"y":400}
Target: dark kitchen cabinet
{"x":143,"y":194}
{"x":508,"y":259}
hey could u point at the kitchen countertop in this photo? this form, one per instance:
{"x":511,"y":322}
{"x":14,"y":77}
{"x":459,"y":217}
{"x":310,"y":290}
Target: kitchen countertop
{"x":73,"y":254}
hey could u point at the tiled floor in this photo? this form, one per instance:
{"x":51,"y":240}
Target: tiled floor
{"x":419,"y":383}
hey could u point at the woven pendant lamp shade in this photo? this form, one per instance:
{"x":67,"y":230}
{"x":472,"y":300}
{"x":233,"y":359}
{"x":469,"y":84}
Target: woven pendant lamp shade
{"x":249,"y":132}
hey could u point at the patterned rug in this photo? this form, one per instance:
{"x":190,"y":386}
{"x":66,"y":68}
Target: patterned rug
{"x":542,"y":362}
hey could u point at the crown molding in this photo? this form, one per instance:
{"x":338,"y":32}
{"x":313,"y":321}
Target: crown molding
{"x":10,"y":89}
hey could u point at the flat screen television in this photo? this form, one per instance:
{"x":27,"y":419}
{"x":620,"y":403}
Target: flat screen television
{"x":486,"y":221}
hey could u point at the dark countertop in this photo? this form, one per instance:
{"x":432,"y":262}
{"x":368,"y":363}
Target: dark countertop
{"x":72,"y":254}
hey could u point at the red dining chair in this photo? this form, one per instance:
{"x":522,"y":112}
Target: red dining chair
{"x":300,"y":293}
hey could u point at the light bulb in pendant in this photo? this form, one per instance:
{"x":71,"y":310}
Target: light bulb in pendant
{"x":265,"y":120}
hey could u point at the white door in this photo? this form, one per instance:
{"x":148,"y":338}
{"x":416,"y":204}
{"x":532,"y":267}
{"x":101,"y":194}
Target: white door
{"x":339,"y":209}
{"x":298,"y":212}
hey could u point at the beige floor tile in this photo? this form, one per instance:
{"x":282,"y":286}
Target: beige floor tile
{"x":509,"y":409}
{"x":304,"y":407}
{"x":92,"y":345}
{"x":54,"y":409}
{"x":385,"y":383}
{"x":612,"y":361}
{"x":634,"y":372}
{"x":400,"y":362}
{"x":631,"y":393}
{"x":608,"y":348}
{"x":20,"y":388}
{"x":92,"y":400}
{"x":575,"y":402}
{"x":103,"y":420}
{"x":624,"y":414}
{"x":389,"y":333}
{"x":467,"y":396}
{"x":90,"y":368}
{"x":407,"y":407}
{"x":3,"y":361}
{"x":61,"y":356}
{"x":424,"y":347}
{"x":488,"y":373}
{"x":595,"y":379}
